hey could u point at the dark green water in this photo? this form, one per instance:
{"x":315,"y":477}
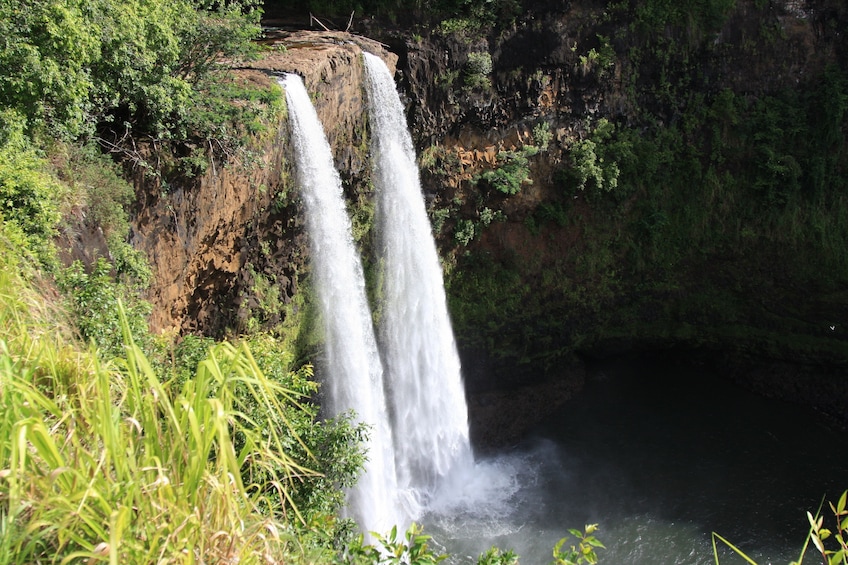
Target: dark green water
{"x":659,"y":455}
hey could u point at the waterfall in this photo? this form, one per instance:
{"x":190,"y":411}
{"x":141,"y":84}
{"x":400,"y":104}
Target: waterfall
{"x":422,"y":368}
{"x":354,"y":374}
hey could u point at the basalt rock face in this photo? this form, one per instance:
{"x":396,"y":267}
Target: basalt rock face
{"x":210,"y":239}
{"x":473,"y":99}
{"x":567,"y":64}
{"x":543,"y":66}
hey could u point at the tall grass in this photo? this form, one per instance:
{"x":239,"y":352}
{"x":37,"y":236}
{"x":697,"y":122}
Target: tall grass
{"x":104,"y":461}
{"x":831,"y":543}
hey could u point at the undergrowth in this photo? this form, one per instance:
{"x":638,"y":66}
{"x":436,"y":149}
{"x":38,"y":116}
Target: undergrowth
{"x":103,"y":459}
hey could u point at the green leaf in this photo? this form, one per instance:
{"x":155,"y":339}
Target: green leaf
{"x":735,"y":549}
{"x":594,"y":542}
{"x":818,"y":543}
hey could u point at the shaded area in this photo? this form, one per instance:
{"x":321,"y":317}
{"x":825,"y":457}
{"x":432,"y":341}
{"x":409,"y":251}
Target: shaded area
{"x":659,"y":451}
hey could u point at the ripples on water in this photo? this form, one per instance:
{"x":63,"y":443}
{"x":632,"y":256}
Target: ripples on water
{"x":659,"y":456}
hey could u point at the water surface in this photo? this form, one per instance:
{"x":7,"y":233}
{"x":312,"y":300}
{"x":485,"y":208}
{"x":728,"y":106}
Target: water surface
{"x":660,"y":455}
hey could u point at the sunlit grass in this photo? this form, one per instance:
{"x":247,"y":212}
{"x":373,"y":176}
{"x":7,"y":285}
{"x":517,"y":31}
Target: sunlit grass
{"x":105,"y":461}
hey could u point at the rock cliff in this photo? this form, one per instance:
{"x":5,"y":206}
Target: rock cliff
{"x":563,"y":271}
{"x":211,"y":239}
{"x":543,"y":147}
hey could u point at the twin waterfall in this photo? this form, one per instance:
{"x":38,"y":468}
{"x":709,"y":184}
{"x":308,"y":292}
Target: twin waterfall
{"x":405,"y":381}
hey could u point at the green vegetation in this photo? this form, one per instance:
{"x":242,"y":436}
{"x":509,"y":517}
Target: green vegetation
{"x":191,"y":451}
{"x":463,"y":17}
{"x":742,"y":173}
{"x":120,"y":446}
{"x":116,"y":445}
{"x":93,"y":299}
{"x":117,"y":73}
{"x":29,"y":193}
{"x":583,"y":552}
{"x":835,"y":553}
{"x":512,"y":170}
{"x":477,"y":70}
{"x":683,"y":213}
{"x":103,"y":459}
{"x":135,"y":65}
{"x":598,"y":60}
{"x":666,"y":214}
{"x":594,"y":160}
{"x":819,"y":534}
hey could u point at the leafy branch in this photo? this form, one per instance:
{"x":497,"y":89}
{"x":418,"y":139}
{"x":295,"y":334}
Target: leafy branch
{"x":583,"y":552}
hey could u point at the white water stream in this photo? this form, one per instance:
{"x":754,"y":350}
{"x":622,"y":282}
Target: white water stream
{"x":352,"y":363}
{"x":422,"y":368}
{"x":419,"y":457}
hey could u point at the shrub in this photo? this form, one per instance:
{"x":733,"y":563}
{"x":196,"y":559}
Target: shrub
{"x":477,"y":70}
{"x":333,"y":448}
{"x":465,"y":232}
{"x":131,"y":64}
{"x":29,"y":193}
{"x":594,"y":160}
{"x":542,"y":135}
{"x":46,"y":57}
{"x":439,"y":215}
{"x":97,"y":186}
{"x":459,"y":26}
{"x":412,"y":548}
{"x":93,"y":299}
{"x":583,"y":552}
{"x":512,"y":171}
{"x":487,"y":216}
{"x":495,"y":556}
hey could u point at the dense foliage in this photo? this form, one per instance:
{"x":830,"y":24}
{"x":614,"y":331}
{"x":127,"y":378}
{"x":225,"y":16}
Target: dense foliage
{"x":79,"y":65}
{"x":137,"y":448}
{"x":201,"y":455}
{"x":468,"y":14}
{"x":29,"y":194}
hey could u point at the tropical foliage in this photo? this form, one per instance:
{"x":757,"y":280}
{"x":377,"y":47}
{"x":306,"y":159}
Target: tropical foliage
{"x":131,"y":459}
{"x":28,"y":190}
{"x":131,"y":64}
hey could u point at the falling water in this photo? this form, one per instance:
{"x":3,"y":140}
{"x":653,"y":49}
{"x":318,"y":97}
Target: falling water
{"x":427,"y":399}
{"x":353,"y":368}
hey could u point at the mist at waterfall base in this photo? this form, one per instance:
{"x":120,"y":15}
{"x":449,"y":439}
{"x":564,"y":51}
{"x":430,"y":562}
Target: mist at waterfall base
{"x":660,"y":455}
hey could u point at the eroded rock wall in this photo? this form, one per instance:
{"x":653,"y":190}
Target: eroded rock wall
{"x":209,"y":239}
{"x":571,"y":286}
{"x":473,"y":98}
